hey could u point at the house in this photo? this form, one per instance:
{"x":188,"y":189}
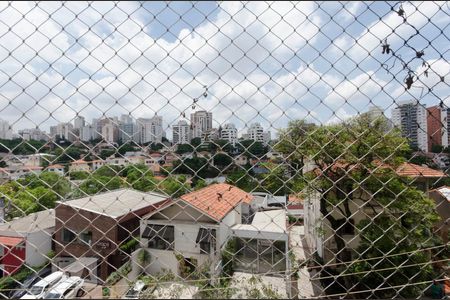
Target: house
{"x":442,"y":198}
{"x":26,"y":240}
{"x":59,"y":169}
{"x":192,"y":230}
{"x":16,"y":172}
{"x":262,"y":246}
{"x":295,"y":206}
{"x":318,"y":232}
{"x":79,"y":165}
{"x":97,"y":164}
{"x":96,"y":226}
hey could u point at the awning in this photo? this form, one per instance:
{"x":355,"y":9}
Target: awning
{"x":165,"y":232}
{"x":205,"y":235}
{"x":9,"y":241}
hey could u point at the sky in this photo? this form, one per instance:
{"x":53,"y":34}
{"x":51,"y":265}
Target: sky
{"x":267,"y":62}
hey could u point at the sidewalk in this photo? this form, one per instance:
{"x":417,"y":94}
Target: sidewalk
{"x":297,"y":243}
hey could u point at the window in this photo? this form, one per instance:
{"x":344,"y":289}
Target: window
{"x":68,"y":235}
{"x":206,"y":238}
{"x":160,"y":236}
{"x":86,"y":237}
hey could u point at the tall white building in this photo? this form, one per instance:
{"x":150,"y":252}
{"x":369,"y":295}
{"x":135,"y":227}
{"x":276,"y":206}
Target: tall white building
{"x":201,"y":121}
{"x":87,"y":133}
{"x":128,"y":130}
{"x":33,"y":134}
{"x":150,"y":129}
{"x":64,"y":131}
{"x":411,"y":118}
{"x":110,"y":132}
{"x":229,"y":133}
{"x":79,"y":122}
{"x":256,"y":132}
{"x":181,"y":133}
{"x":5,"y":130}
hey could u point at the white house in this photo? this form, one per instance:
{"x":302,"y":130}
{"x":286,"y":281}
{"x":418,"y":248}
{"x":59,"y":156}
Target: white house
{"x":79,"y":165}
{"x":59,"y":169}
{"x":193,"y":229}
{"x":35,"y":231}
{"x":320,"y":236}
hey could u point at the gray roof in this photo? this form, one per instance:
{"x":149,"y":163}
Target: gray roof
{"x":116,"y":203}
{"x":33,"y":222}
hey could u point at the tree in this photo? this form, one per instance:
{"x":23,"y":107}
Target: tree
{"x":242,"y":180}
{"x":359,"y":155}
{"x":222,"y":160}
{"x":184,"y":148}
{"x":252,"y":148}
{"x":290,"y":141}
{"x":173,"y":186}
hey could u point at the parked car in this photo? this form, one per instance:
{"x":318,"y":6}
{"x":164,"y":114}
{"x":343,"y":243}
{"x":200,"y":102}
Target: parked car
{"x":38,"y":290}
{"x":22,"y":288}
{"x":68,"y":288}
{"x":135,"y":291}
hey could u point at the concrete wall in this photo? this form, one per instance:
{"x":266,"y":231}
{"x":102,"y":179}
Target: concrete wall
{"x":38,"y":246}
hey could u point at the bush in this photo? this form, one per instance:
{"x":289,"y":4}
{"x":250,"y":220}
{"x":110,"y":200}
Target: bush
{"x":130,"y":246}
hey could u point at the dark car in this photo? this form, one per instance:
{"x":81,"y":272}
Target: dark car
{"x":22,"y":288}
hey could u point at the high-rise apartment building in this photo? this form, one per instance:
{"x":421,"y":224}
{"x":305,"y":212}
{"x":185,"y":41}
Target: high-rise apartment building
{"x":150,"y":130}
{"x":411,"y":118}
{"x":5,"y":130}
{"x":181,"y":133}
{"x":128,"y":130}
{"x":201,"y":121}
{"x":437,"y":126}
{"x":79,"y":122}
{"x":256,"y":132}
{"x":229,"y":133}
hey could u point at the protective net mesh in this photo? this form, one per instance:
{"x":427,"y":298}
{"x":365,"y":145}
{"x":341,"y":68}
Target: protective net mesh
{"x":224,"y":149}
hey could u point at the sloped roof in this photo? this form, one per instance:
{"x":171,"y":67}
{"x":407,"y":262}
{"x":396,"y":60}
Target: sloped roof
{"x":10,"y":241}
{"x":117,"y":203}
{"x":217,"y":200}
{"x":413,"y":170}
{"x":41,"y":220}
{"x":444,"y":191}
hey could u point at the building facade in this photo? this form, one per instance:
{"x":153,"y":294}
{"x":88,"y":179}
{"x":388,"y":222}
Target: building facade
{"x":181,"y":133}
{"x":229,"y":133}
{"x":411,"y":118}
{"x":201,"y":121}
{"x":437,"y":126}
{"x":5,"y":130}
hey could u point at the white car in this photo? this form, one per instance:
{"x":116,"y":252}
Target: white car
{"x":134,"y":292}
{"x":38,"y":290}
{"x":68,"y":288}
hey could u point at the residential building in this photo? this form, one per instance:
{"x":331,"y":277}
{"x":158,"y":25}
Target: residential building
{"x":262,"y":246}
{"x":256,"y":132}
{"x":33,"y":134}
{"x":63,"y":131}
{"x":5,"y":130}
{"x":16,"y":172}
{"x":210,"y":135}
{"x":58,"y":169}
{"x":437,"y":126}
{"x":229,"y":133}
{"x":79,"y":122}
{"x":193,"y":229}
{"x":87,"y":133}
{"x":150,"y":129}
{"x":26,"y":240}
{"x":181,"y":133}
{"x":201,"y":121}
{"x":110,"y":133}
{"x":411,"y":118}
{"x":128,"y":130}
{"x":96,"y":226}
{"x":79,"y":165}
{"x":441,"y":196}
{"x":319,"y":235}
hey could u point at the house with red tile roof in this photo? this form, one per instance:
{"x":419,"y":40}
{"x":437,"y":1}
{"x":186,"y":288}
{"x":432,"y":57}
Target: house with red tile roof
{"x":318,"y":233}
{"x":193,"y":229}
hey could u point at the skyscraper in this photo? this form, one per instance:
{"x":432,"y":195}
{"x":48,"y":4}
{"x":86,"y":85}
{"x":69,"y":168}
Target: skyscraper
{"x":411,"y":118}
{"x":181,"y":133}
{"x":5,"y":130}
{"x":201,"y":121}
{"x":150,"y":129}
{"x":229,"y":133}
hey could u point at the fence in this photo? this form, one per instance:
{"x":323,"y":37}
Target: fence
{"x":224,"y":149}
